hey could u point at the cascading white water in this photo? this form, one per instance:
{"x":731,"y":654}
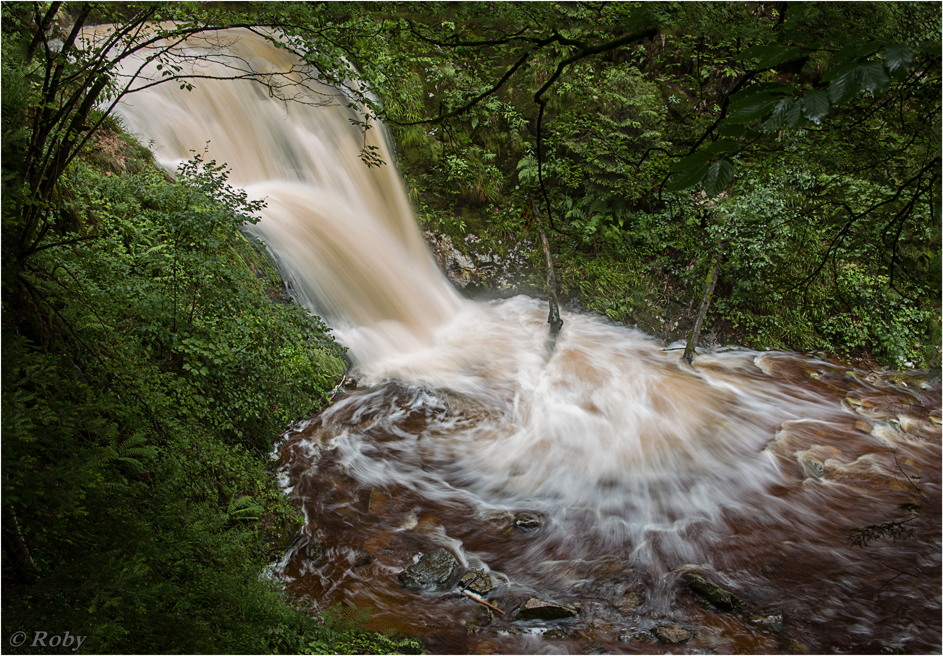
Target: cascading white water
{"x":344,"y":233}
{"x":606,"y":411}
{"x":619,"y":446}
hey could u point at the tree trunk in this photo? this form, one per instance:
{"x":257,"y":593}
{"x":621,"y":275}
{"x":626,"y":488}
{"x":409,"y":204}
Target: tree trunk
{"x":554,"y":319}
{"x":26,"y":568}
{"x":702,"y":312}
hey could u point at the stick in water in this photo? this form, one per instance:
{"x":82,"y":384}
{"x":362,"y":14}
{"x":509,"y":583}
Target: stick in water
{"x":481,"y":601}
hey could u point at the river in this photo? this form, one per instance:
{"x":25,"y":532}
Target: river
{"x":596,"y":472}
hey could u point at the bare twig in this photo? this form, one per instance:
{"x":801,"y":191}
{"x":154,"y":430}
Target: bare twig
{"x":481,"y":601}
{"x":896,"y":576}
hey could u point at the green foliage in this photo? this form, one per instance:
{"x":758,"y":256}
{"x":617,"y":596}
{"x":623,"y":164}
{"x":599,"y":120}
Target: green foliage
{"x":337,"y":631}
{"x":148,"y":366}
{"x":811,"y":129}
{"x":846,"y":68}
{"x":621,"y":292}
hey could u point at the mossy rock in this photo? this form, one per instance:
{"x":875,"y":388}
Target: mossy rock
{"x":712,"y":594}
{"x":437,"y":569}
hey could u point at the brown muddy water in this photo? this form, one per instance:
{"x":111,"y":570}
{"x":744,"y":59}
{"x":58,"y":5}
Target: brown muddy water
{"x":597,"y":472}
{"x":749,"y":469}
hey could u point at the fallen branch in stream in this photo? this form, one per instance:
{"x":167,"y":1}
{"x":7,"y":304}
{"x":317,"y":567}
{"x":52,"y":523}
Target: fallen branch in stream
{"x":481,"y":601}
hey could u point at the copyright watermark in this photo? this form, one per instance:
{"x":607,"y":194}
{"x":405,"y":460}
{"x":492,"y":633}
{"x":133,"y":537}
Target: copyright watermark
{"x":45,"y":639}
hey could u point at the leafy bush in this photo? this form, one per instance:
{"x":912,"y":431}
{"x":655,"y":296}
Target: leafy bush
{"x":150,"y":362}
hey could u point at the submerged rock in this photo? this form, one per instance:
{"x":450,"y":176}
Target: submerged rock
{"x":788,"y":645}
{"x":629,"y":602}
{"x":436,"y":569}
{"x":483,"y":616}
{"x":636,"y":636}
{"x":362,"y":557}
{"x":673,"y":633}
{"x":479,"y":582}
{"x":527,"y":521}
{"x":713,"y":594}
{"x":315,"y":552}
{"x":557,"y":633}
{"x":378,"y":501}
{"x":541,"y":609}
{"x":597,"y":629}
{"x":768,"y":621}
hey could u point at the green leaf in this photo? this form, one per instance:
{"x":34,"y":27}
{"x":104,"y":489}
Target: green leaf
{"x":697,"y":158}
{"x":794,"y":117}
{"x":898,"y":56}
{"x":857,"y":50}
{"x":705,"y":154}
{"x":841,"y":69}
{"x":688,"y":178}
{"x":815,"y":105}
{"x":771,"y":55}
{"x":872,"y":76}
{"x":777,"y":117}
{"x":723,"y":146}
{"x":719,"y":176}
{"x":764,"y":87}
{"x":753,"y":107}
{"x":843,"y":88}
{"x":726,"y":129}
{"x":931,"y":48}
{"x":781,"y":57}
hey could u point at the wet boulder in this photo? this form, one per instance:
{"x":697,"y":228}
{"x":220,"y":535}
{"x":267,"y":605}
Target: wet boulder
{"x":672,"y":633}
{"x":557,"y":633}
{"x":712,"y":594}
{"x":542,"y":609}
{"x":478,"y":268}
{"x":479,"y":582}
{"x":437,"y":569}
{"x":629,"y":602}
{"x":457,"y":267}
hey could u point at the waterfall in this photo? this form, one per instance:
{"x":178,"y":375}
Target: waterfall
{"x":344,"y":233}
{"x":754,"y":462}
{"x":608,"y":405}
